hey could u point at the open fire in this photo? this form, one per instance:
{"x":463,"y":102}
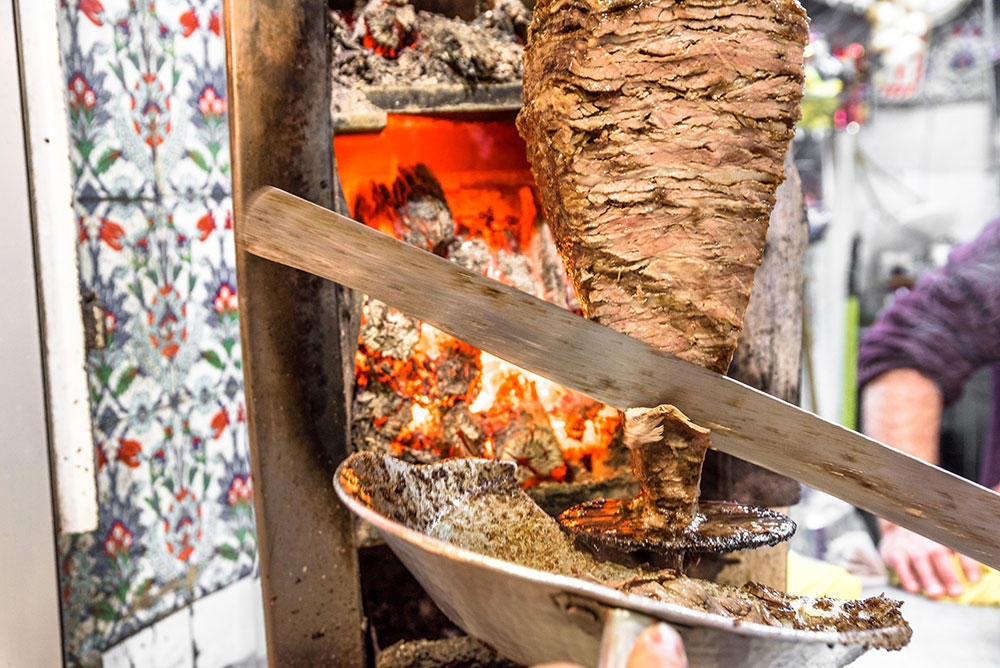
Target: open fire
{"x":461,"y":188}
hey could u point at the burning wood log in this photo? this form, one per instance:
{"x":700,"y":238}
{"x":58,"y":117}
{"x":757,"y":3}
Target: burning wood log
{"x":413,"y":208}
{"x":389,"y":42}
{"x":407,"y":401}
{"x":462,"y":430}
{"x":522,"y":432}
{"x":657,"y":131}
{"x":416,"y":386}
{"x":532,"y":445}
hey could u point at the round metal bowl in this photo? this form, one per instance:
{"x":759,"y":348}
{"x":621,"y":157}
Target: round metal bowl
{"x":501,"y":569}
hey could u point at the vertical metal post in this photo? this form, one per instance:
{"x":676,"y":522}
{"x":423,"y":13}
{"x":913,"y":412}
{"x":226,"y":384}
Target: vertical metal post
{"x":281,"y":135}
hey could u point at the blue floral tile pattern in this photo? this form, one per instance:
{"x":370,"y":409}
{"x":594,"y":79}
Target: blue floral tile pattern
{"x":146,"y":95}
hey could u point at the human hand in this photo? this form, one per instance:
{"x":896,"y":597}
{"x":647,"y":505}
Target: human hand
{"x":924,"y":566}
{"x":658,"y":646}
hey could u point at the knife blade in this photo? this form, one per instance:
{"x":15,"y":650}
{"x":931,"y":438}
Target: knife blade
{"x":624,"y":372}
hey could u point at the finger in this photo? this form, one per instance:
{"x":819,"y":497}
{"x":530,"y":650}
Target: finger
{"x":973,"y":569}
{"x":658,"y":646}
{"x":907,"y":578}
{"x":947,"y":571}
{"x":926,"y":573}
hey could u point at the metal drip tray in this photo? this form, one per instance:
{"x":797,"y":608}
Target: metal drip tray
{"x":502,"y":570}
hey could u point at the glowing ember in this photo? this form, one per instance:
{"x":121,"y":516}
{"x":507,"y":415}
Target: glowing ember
{"x":422,"y":394}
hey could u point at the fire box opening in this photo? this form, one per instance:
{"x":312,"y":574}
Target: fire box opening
{"x":460,"y":187}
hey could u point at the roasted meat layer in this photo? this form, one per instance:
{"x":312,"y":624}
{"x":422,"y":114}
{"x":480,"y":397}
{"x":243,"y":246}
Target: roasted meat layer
{"x":657,"y":131}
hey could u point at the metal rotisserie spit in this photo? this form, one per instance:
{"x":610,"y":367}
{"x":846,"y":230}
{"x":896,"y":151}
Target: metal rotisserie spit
{"x":301,"y":334}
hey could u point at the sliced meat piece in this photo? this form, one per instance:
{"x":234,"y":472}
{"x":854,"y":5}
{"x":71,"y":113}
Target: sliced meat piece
{"x":668,"y":451}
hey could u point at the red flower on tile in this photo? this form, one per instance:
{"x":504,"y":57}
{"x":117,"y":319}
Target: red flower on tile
{"x":111,"y":234}
{"x":206,"y":225}
{"x":92,"y":9}
{"x":215,"y":24}
{"x":210,"y":104}
{"x":189,"y":20}
{"x":81,"y":95}
{"x":110,"y":322}
{"x":219,"y":423}
{"x":118,"y":541}
{"x":184,"y":532}
{"x":151,"y":127}
{"x":167,"y":337}
{"x":128,"y":452}
{"x":102,"y":457}
{"x":226,"y":302}
{"x":240,"y":491}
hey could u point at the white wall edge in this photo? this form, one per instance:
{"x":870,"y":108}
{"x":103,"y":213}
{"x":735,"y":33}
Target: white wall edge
{"x":46,"y":120}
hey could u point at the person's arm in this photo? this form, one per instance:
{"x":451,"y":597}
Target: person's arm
{"x":902,"y":408}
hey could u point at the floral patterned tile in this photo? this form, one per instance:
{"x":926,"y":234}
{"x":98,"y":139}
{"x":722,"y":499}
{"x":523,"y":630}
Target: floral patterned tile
{"x":168,"y":400}
{"x":163,"y":279}
{"x":176,"y":520}
{"x":103,"y":167}
{"x":145,"y":88}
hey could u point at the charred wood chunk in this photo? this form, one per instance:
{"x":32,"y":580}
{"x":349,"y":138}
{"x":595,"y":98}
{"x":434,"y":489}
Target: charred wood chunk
{"x":668,"y":451}
{"x":531,"y":444}
{"x":656,"y":131}
{"x":388,"y":331}
{"x":379,"y":416}
{"x":411,"y":389}
{"x":462,"y":432}
{"x":395,"y":44}
{"x":457,"y":370}
{"x":426,"y":223}
{"x":522,"y":432}
{"x":413,"y":208}
{"x":462,"y":651}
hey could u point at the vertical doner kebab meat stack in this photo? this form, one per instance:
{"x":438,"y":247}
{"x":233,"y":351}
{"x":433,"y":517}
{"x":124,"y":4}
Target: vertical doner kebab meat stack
{"x":657,"y":131}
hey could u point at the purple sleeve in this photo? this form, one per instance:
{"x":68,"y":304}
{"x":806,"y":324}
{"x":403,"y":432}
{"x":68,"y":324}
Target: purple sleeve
{"x":948,"y":325}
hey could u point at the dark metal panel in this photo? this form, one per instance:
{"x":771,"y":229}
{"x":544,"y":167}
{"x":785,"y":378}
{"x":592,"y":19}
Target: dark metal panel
{"x":281,"y":132}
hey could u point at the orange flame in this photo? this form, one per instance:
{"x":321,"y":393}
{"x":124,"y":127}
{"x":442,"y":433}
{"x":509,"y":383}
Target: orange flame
{"x":447,"y":398}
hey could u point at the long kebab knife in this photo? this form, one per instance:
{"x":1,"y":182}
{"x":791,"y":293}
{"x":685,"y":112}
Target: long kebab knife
{"x":623,"y":372}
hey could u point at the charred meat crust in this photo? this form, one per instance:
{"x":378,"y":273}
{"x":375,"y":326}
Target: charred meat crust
{"x":657,"y":131}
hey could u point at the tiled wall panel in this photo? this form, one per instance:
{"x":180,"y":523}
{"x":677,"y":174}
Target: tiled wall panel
{"x":146,"y":94}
